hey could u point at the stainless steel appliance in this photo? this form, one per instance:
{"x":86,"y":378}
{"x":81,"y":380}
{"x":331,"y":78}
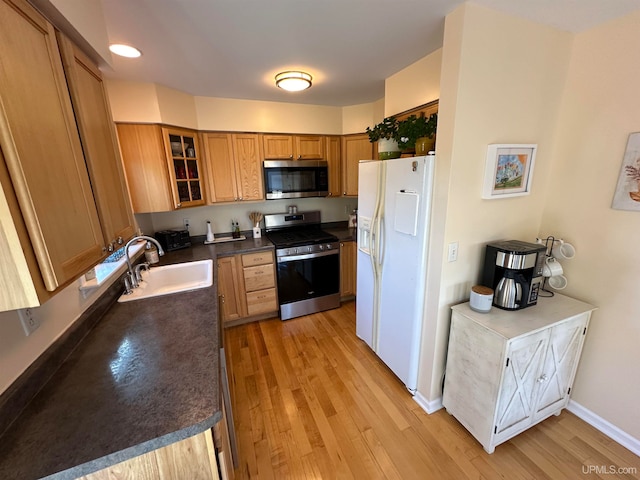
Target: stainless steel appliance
{"x":514,"y":270}
{"x":307,"y":263}
{"x":295,"y":178}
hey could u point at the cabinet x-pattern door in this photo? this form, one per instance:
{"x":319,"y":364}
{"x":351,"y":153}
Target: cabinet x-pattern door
{"x":559,"y":366}
{"x":516,"y":404}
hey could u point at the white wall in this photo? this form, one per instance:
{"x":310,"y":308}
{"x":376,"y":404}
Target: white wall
{"x":18,"y":351}
{"x":493,"y":91}
{"x":83,"y":21}
{"x":133,"y":101}
{"x":600,"y":107}
{"x":258,"y":116}
{"x":417,"y":84}
{"x":356,"y":118}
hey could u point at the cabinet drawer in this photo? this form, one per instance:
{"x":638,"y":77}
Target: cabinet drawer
{"x":258,"y":258}
{"x":258,"y":277}
{"x":262,"y":301}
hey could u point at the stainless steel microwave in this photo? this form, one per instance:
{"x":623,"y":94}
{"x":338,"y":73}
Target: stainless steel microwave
{"x":295,"y":178}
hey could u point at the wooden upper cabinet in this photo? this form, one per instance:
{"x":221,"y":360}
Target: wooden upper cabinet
{"x":42,"y":149}
{"x":185,"y":166}
{"x":145,"y":165}
{"x":294,"y":147}
{"x":97,"y":134}
{"x":309,"y":147}
{"x":248,"y":153}
{"x":354,"y":148}
{"x":332,"y":156}
{"x":221,"y":168}
{"x":234,"y":166}
{"x":277,"y":147}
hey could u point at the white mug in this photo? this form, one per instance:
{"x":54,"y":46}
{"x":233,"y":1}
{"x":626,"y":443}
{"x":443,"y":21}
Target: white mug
{"x":557,"y":282}
{"x":562,"y":249}
{"x":551,"y":267}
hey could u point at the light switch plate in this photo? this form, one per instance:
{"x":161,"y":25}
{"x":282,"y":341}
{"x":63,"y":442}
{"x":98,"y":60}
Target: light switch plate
{"x":453,"y":252}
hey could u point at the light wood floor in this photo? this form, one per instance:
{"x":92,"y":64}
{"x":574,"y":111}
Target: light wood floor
{"x":311,"y":401}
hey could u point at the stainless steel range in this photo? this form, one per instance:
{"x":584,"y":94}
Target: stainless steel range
{"x":308,"y":263}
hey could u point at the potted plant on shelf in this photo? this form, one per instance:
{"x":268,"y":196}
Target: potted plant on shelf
{"x":417,"y":133}
{"x":386,"y":134}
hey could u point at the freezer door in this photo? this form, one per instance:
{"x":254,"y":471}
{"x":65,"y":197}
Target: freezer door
{"x":365,"y":283}
{"x":403,"y":254}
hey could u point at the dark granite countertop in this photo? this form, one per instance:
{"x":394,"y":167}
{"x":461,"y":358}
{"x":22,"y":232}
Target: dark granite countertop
{"x":340,"y":230}
{"x":146,"y":376}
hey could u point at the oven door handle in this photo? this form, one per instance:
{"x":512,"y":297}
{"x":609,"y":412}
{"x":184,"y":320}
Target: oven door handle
{"x":291,"y":258}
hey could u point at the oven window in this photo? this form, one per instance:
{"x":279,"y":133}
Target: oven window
{"x":309,"y":278}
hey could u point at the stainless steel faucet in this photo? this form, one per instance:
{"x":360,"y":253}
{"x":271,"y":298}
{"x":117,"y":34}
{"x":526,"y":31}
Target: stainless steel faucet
{"x":131,"y":273}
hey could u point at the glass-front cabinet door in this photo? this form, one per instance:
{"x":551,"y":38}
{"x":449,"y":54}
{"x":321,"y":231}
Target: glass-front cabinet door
{"x":185,"y":169}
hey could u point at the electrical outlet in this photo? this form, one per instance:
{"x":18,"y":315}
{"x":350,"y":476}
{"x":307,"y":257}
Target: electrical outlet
{"x":186,"y":223}
{"x":29,"y":321}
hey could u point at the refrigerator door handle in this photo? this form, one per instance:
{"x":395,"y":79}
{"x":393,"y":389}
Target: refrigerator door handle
{"x":380,"y":238}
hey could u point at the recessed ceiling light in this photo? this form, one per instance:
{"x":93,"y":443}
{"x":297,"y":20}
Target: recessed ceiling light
{"x":125,"y":50}
{"x":293,"y":81}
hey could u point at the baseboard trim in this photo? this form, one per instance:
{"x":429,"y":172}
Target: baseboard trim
{"x":428,"y":406}
{"x":609,"y":429}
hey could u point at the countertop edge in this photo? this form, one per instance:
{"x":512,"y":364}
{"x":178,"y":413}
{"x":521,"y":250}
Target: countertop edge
{"x":212,"y":417}
{"x":136,"y":450}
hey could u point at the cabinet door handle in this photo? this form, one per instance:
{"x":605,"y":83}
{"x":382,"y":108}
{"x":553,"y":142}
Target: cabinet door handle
{"x":543,"y":378}
{"x":178,"y":205}
{"x":344,"y":193}
{"x":330,"y":194}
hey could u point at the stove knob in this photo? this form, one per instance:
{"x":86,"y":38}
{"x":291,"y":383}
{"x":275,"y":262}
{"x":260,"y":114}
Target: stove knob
{"x":295,"y":250}
{"x":328,"y":246}
{"x":309,"y":249}
{"x":321,"y":247}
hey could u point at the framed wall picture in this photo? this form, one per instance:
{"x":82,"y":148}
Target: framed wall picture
{"x":508,"y":170}
{"x":627,"y":194}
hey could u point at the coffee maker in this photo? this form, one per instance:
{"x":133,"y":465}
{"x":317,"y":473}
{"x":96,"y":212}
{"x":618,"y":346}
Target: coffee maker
{"x":513,"y":269}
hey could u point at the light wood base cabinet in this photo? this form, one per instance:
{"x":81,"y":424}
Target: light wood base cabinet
{"x":508,"y":370}
{"x":348,"y":268}
{"x":193,"y":458}
{"x":247,"y":286}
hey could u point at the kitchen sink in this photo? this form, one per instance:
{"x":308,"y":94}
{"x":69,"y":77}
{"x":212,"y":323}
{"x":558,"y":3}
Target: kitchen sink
{"x":169,"y":279}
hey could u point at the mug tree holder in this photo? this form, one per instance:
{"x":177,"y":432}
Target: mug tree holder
{"x":548,"y":244}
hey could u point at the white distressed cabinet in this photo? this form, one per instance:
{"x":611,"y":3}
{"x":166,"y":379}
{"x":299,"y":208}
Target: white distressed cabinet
{"x":508,"y":370}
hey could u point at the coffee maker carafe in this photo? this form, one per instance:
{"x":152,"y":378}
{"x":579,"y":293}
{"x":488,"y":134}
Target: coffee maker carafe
{"x":513,"y":269}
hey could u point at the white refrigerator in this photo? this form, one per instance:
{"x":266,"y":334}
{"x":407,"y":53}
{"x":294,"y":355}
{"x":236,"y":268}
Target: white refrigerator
{"x":394,"y":204}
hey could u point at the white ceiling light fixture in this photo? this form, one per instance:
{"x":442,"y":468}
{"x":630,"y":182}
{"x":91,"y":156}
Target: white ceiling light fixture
{"x":125,"y":50}
{"x":293,"y":81}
